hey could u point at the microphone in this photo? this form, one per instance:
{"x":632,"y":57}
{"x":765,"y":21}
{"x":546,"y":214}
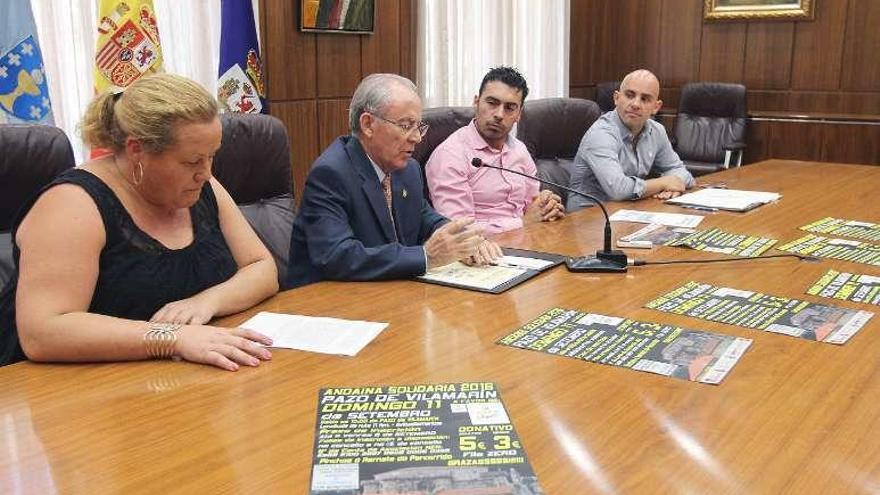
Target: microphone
{"x":606,"y":259}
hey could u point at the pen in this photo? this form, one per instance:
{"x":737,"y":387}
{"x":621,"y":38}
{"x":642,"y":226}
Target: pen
{"x":701,"y":208}
{"x":505,"y":265}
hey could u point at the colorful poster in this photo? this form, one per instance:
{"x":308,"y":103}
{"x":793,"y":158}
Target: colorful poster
{"x":759,"y":311}
{"x":718,"y":241}
{"x":652,"y":235}
{"x":643,"y":346}
{"x":839,"y":249}
{"x":454,"y":438}
{"x":855,"y":287}
{"x":845,"y":228}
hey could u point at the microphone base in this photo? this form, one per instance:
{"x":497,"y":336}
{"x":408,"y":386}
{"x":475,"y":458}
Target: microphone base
{"x":602,"y":262}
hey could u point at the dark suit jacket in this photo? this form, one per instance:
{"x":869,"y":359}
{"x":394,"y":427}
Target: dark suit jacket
{"x":342,"y":230}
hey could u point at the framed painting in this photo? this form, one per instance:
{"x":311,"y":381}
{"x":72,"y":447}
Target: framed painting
{"x":337,"y":16}
{"x":783,"y":10}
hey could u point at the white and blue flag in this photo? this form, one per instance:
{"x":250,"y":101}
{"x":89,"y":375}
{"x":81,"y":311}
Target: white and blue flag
{"x":241,"y":87}
{"x":24,"y":93}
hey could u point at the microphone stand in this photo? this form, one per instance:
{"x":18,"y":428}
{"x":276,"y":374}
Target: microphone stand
{"x":606,"y":259}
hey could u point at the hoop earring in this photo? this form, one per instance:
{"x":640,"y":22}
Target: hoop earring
{"x":138,"y":173}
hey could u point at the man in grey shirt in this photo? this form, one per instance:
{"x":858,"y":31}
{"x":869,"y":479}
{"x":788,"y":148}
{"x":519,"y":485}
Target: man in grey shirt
{"x":624,"y":146}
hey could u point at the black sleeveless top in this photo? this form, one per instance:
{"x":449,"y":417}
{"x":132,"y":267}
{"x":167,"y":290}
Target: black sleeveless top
{"x":137,"y":275}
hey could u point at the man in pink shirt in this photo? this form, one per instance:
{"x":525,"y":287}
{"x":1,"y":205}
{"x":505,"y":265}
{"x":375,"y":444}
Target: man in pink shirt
{"x":497,"y":200}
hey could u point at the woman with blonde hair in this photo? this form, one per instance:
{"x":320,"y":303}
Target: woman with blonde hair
{"x":130,"y":256}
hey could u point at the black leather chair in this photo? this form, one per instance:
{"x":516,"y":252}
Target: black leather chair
{"x":442,"y":122}
{"x":253,"y":164}
{"x":605,"y":95}
{"x":30,"y":157}
{"x":710,"y":128}
{"x":552,"y":129}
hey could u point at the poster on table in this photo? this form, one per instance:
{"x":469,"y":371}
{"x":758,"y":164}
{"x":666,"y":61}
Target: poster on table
{"x":424,"y":438}
{"x":766,"y":312}
{"x":838,"y":249}
{"x":855,"y":287}
{"x":668,"y":350}
{"x":839,"y":227}
{"x":718,"y":241}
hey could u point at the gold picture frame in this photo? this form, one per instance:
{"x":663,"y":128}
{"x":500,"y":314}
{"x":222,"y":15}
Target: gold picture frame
{"x":780,"y":10}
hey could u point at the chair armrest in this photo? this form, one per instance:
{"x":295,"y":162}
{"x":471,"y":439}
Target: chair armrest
{"x":734,"y":146}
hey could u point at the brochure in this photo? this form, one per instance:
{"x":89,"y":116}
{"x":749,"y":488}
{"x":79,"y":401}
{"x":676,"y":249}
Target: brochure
{"x":654,"y":235}
{"x":667,"y":350}
{"x":766,"y":312}
{"x":845,"y":228}
{"x":454,"y":438}
{"x":840,"y":249}
{"x":718,"y":241}
{"x":855,"y":287}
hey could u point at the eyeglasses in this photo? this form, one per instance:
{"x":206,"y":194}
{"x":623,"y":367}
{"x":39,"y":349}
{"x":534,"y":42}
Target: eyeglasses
{"x":406,"y":127}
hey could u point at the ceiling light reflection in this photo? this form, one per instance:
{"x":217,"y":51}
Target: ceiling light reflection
{"x":24,"y":466}
{"x":578,"y":453}
{"x":688,"y":443}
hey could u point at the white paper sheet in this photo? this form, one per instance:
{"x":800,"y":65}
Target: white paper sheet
{"x":315,"y":334}
{"x":669,"y":219}
{"x":726,"y":199}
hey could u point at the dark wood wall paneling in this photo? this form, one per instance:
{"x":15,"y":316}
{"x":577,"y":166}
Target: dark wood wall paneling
{"x":827,"y":67}
{"x":311,"y":76}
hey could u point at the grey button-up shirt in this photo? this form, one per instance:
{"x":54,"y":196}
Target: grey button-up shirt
{"x":610,"y":168}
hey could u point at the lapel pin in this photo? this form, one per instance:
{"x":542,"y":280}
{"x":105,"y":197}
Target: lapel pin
{"x":403,"y":193}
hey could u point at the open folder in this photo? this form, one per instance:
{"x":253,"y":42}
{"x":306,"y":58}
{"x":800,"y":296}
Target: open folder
{"x":725,"y":199}
{"x":517,"y":266}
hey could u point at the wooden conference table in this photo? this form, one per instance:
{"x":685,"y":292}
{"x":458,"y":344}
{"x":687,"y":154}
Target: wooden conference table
{"x":792,"y":417}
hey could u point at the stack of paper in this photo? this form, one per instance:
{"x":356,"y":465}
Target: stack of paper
{"x":725,"y":199}
{"x":315,"y":334}
{"x":655,"y":217}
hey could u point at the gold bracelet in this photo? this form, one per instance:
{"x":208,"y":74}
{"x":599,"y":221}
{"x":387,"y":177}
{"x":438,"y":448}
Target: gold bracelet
{"x":160,"y":339}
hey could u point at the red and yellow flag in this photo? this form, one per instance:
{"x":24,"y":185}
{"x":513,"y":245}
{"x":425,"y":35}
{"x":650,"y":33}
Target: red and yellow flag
{"x":128,"y":43}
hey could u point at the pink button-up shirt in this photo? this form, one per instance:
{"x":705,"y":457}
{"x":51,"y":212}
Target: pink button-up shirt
{"x":496,"y":200}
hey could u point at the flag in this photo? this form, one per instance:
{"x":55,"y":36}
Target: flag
{"x":24,"y":93}
{"x":241,"y":87}
{"x":128,"y":43}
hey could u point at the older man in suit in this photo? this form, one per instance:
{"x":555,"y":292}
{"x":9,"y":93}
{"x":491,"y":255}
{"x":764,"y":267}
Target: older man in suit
{"x":363,"y":214}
